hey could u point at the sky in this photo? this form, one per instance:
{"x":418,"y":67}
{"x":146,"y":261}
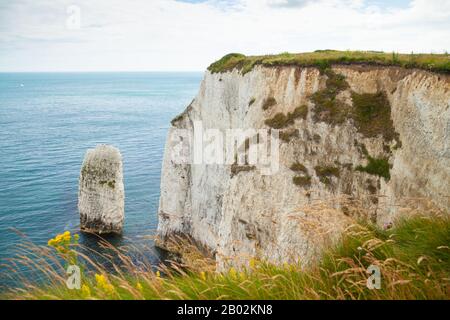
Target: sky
{"x":188,"y":35}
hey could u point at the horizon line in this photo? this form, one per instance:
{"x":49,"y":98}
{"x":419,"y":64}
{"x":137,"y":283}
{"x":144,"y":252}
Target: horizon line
{"x":102,"y":71}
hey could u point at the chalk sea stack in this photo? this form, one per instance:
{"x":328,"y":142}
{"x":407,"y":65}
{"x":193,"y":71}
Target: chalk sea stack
{"x":101,"y":192}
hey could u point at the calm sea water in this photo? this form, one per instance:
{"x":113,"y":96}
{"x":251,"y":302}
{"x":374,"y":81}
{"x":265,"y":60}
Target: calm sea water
{"x":49,"y":120}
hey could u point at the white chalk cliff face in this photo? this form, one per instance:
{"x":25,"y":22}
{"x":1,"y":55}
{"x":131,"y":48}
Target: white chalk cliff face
{"x":378,"y":135}
{"x":101,"y":191}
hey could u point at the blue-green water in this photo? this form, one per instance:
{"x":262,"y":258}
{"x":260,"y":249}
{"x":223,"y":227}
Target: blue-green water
{"x":49,"y":120}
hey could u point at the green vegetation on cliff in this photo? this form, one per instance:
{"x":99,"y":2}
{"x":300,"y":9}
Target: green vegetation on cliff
{"x":379,"y":167}
{"x":325,"y":58}
{"x":327,"y":107}
{"x":372,"y":115}
{"x":326,"y":172}
{"x":281,"y":120}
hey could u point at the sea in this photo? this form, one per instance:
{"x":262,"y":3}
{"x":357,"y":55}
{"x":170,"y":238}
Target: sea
{"x":47,"y":123}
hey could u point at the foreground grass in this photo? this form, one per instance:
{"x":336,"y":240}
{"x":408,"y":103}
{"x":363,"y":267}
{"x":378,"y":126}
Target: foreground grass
{"x":324,"y":58}
{"x":414,"y":260}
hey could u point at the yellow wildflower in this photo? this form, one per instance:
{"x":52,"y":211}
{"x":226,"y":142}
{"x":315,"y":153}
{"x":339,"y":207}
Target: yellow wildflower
{"x":252,"y":263}
{"x":61,"y":243}
{"x":139,"y":286}
{"x":66,"y":236}
{"x":158,"y":274}
{"x":103,"y":284}
{"x":59,"y":237}
{"x":232,"y":272}
{"x":85,"y":291}
{"x":100,"y":278}
{"x":203,"y":275}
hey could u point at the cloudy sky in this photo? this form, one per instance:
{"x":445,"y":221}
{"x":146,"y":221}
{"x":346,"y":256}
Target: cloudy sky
{"x":187,"y":35}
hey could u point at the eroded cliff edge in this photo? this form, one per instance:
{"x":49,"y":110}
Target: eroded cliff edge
{"x":373,"y":134}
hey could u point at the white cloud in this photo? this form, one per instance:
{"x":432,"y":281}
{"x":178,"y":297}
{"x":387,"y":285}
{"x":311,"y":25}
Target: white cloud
{"x":173,"y":35}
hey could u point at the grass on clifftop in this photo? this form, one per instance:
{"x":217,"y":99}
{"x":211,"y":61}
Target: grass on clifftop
{"x":324,"y":58}
{"x":413,"y":257}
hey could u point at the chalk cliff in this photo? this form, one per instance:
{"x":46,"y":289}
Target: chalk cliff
{"x":101,"y":191}
{"x":371,"y":134}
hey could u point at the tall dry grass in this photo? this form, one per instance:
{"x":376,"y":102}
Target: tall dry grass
{"x":413,"y":257}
